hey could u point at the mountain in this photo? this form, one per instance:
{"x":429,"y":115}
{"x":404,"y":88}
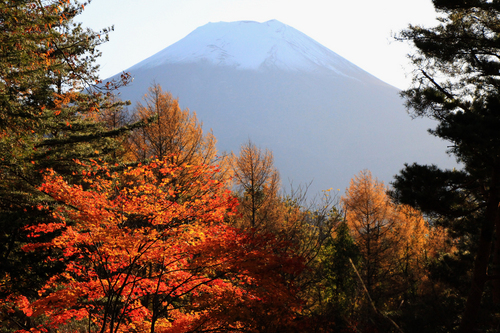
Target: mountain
{"x":324,"y":118}
{"x":252,"y":45}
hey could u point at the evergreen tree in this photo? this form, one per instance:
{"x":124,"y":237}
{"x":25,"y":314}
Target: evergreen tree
{"x":456,"y":82}
{"x":339,"y":281}
{"x":46,"y":120}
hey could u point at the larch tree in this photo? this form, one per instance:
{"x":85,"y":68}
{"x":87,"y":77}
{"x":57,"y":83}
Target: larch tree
{"x":456,"y":83}
{"x":391,"y":238}
{"x":370,"y":216}
{"x":257,"y":183}
{"x":171,"y":132}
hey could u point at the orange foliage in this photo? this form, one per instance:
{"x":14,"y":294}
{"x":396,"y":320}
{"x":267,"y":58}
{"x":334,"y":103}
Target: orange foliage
{"x":257,"y":182}
{"x":174,"y":133}
{"x":143,"y":253}
{"x":394,"y":240}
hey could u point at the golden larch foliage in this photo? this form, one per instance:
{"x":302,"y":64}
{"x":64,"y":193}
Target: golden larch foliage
{"x":175,"y":133}
{"x":393,"y":239}
{"x":257,"y":183}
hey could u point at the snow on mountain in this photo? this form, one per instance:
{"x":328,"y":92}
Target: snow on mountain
{"x":324,"y":118}
{"x":252,"y":45}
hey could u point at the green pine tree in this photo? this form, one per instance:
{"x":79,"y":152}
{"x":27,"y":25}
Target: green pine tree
{"x":456,"y":82}
{"x":338,"y":277}
{"x":49,"y":117}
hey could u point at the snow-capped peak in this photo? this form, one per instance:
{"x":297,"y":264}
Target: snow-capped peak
{"x":252,"y":45}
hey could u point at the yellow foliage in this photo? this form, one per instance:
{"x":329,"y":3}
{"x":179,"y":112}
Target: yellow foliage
{"x":394,"y":240}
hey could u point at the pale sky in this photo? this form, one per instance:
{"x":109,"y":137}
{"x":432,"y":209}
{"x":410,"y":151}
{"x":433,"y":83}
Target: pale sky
{"x":359,"y":31}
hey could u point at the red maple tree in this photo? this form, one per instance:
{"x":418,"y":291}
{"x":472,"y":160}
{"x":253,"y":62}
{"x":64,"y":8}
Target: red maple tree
{"x":143,"y":253}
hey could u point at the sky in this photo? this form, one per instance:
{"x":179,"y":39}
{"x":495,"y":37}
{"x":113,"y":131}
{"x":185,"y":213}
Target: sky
{"x":360,"y":31}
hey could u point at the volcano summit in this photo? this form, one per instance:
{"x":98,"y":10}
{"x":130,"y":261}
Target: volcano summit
{"x":324,"y":118}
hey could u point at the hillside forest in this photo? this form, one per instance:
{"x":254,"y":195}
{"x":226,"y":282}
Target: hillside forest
{"x":117,"y":218}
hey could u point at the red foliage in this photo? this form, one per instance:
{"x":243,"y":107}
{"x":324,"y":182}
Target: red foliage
{"x":144,"y":253}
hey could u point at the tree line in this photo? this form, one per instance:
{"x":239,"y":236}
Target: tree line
{"x":118,"y":221}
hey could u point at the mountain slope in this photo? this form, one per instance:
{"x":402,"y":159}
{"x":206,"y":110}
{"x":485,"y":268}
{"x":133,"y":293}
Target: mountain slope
{"x":251,"y":45}
{"x":324,"y":118}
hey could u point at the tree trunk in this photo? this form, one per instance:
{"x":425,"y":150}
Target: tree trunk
{"x":479,"y":278}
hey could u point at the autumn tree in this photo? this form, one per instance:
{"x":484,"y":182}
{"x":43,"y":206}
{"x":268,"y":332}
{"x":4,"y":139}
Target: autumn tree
{"x":172,"y":132}
{"x":370,"y":217}
{"x":46,"y":120}
{"x":392,"y":239}
{"x":456,"y":83}
{"x":257,"y":183}
{"x":139,"y":260}
{"x":291,"y":218}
